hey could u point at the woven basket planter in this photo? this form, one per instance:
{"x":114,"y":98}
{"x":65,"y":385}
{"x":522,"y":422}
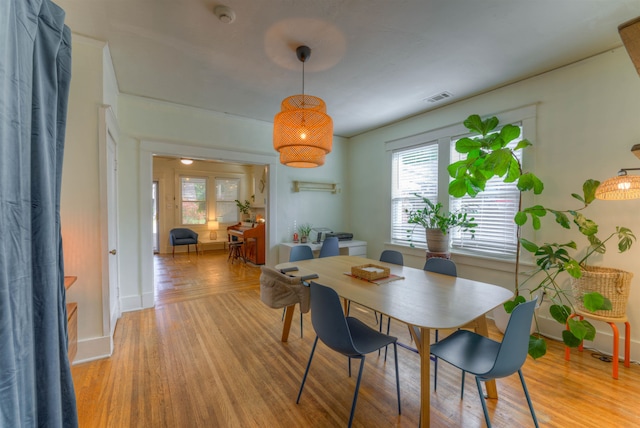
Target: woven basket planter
{"x":614,"y":284}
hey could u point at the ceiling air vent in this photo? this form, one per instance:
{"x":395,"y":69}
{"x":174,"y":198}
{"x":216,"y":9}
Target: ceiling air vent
{"x":439,"y":97}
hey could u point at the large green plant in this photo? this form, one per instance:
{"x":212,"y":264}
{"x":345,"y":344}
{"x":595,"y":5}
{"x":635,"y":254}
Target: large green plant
{"x":488,"y":156}
{"x":431,"y":216}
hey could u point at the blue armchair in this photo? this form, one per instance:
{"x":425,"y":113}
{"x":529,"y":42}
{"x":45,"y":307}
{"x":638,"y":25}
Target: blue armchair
{"x":182,"y":236}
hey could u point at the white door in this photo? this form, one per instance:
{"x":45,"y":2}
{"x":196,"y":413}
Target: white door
{"x":112,"y":209}
{"x":108,"y":142}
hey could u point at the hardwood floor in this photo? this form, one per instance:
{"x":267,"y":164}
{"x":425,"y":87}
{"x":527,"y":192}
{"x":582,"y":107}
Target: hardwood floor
{"x":209,"y":355}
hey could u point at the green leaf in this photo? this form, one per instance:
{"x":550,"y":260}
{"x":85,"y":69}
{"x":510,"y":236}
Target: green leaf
{"x":535,"y":221}
{"x":528,"y":245}
{"x":538,"y":185}
{"x":577,"y":328}
{"x":573,"y":268}
{"x":578,"y":197}
{"x":520,"y":218}
{"x":474,"y":123}
{"x":465,"y":145}
{"x":560,"y":313}
{"x":585,"y":226}
{"x":595,"y":301}
{"x":562,"y":219}
{"x":524,"y":143}
{"x":510,"y":305}
{"x":513,"y":173}
{"x":537,"y":210}
{"x":498,"y":162}
{"x":570,"y":339}
{"x":589,"y":189}
{"x":537,"y":346}
{"x":509,"y":133}
{"x":458,"y":188}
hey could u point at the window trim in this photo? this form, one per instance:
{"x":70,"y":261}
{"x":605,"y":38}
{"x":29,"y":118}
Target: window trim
{"x":526,"y":115}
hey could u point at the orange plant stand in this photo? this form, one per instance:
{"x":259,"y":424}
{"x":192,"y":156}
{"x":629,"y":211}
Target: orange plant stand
{"x":616,"y":338}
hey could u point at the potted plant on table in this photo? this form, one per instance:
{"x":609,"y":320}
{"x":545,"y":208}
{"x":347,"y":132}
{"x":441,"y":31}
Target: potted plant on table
{"x":437,"y":224}
{"x":304,"y":230}
{"x":245,"y":209}
{"x":489,"y":155}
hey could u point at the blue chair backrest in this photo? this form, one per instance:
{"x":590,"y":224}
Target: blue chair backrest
{"x":300,"y":252}
{"x":515,"y":344}
{"x":181,"y":233}
{"x":328,"y":320}
{"x":330,"y":247}
{"x":439,"y":265}
{"x":392,"y":256}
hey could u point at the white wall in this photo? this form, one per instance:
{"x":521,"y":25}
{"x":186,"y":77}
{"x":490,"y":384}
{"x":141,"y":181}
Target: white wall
{"x":80,"y":199}
{"x":152,"y":127}
{"x":587,"y":121}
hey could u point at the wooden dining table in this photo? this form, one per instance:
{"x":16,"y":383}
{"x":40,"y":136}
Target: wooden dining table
{"x":413,"y":296}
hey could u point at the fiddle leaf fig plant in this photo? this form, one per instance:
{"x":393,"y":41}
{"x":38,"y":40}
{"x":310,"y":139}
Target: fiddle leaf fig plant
{"x":488,"y":155}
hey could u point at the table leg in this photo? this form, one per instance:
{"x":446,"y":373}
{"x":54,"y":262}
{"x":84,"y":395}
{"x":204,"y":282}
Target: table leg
{"x":425,"y":375}
{"x":483,"y":329}
{"x":286,"y":327}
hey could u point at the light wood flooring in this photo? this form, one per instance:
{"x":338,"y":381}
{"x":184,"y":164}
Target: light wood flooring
{"x":209,"y":355}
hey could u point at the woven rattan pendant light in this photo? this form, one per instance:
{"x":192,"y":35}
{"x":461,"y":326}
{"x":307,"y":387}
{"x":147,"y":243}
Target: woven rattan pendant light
{"x":620,"y":188}
{"x":302,"y":131}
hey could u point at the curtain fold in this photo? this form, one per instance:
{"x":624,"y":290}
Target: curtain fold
{"x":36,"y":388}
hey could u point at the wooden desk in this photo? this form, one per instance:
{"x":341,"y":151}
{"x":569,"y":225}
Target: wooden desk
{"x":423,"y":299}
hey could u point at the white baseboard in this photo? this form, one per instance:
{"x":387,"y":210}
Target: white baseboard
{"x":131,"y":303}
{"x":93,"y":349}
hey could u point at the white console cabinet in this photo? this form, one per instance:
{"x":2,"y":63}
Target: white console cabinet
{"x":347,"y":248}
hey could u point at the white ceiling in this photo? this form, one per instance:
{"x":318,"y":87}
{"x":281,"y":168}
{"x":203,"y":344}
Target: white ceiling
{"x":373,"y":61}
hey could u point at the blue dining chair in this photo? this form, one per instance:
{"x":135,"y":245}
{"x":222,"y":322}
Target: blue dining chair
{"x":487,"y":359}
{"x":345,"y":335}
{"x":299,"y":252}
{"x":330,"y":247}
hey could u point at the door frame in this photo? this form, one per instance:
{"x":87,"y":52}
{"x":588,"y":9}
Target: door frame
{"x":147,"y":150}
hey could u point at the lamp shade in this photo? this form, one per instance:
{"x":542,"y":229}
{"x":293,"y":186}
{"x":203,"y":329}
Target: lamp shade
{"x":622,"y":187}
{"x":302,"y":131}
{"x":213,"y":225}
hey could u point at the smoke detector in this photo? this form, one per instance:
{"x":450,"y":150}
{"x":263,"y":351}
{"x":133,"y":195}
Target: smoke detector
{"x":225,"y":14}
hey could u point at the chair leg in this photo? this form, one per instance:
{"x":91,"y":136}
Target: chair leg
{"x":462,"y":385}
{"x":300,"y":324}
{"x":306,"y":372}
{"x":484,"y":403}
{"x":395,"y":357}
{"x":388,"y":328}
{"x":173,"y":254}
{"x":355,"y":394}
{"x":435,"y":368}
{"x":526,"y":393}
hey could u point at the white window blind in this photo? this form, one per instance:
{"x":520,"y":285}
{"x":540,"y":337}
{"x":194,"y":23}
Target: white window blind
{"x":193,"y":192}
{"x":493,"y":210}
{"x":227,"y":191}
{"x":414,"y":170}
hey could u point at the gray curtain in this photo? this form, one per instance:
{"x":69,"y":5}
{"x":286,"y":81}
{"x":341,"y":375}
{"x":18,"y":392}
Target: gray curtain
{"x":35,"y":70}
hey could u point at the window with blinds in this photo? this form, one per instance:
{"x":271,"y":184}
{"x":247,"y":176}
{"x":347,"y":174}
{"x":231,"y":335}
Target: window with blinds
{"x":414,"y":170}
{"x":193,"y":195}
{"x":493,"y":210}
{"x":227,"y":191}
